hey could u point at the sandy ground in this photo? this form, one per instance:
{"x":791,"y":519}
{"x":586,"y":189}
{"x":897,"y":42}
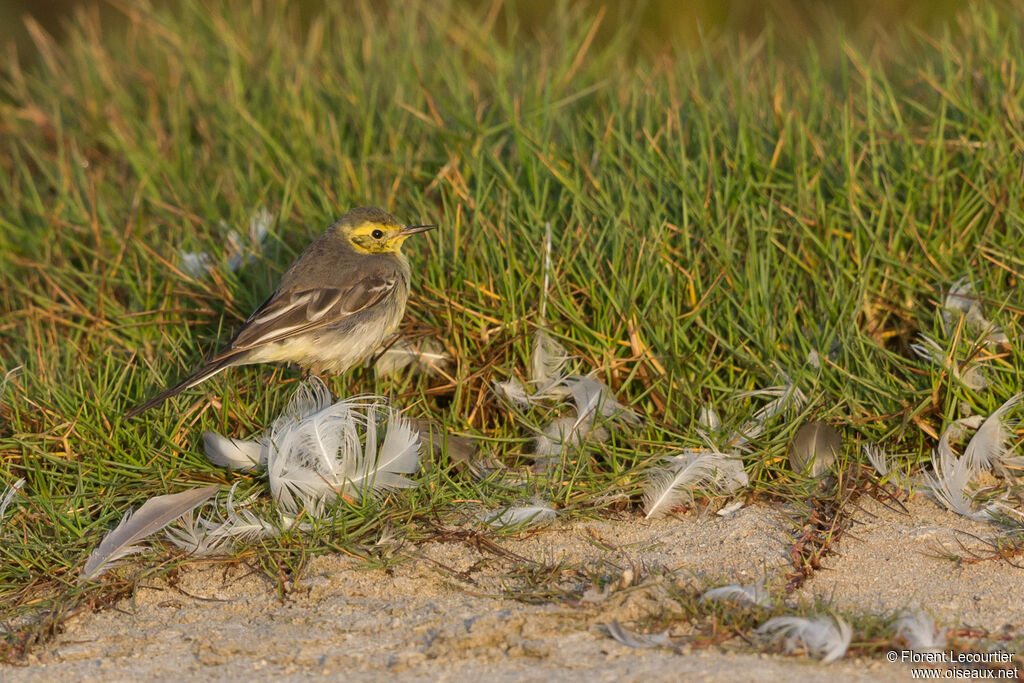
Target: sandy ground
{"x":436,"y":616}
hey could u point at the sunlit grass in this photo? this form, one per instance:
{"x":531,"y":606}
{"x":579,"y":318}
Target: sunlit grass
{"x":716,"y":217}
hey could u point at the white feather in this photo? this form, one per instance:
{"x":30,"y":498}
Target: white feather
{"x":195,"y":535}
{"x":240,"y":254}
{"x":754,"y":595}
{"x":949,"y":481}
{"x":731,"y":508}
{"x":878,"y":458}
{"x":636,"y":640}
{"x":547,"y":362}
{"x":514,"y":391}
{"x":202,"y":536}
{"x":318,"y":449}
{"x":9,"y":496}
{"x":154,"y":514}
{"x":196,"y":264}
{"x":429,"y":357}
{"x":959,"y":300}
{"x":567,"y":431}
{"x":709,"y":419}
{"x":398,"y":455}
{"x":669,"y":487}
{"x":787,"y":395}
{"x":919,"y":632}
{"x":972,"y":376}
{"x":8,"y":376}
{"x":236,"y":454}
{"x":988,"y":445}
{"x":594,"y":397}
{"x":518,"y":514}
{"x":827,"y":638}
{"x":242,"y":525}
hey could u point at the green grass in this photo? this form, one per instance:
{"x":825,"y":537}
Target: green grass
{"x":716,"y":215}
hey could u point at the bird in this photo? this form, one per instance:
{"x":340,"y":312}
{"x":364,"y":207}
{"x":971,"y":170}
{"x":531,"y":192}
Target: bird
{"x":340,"y":299}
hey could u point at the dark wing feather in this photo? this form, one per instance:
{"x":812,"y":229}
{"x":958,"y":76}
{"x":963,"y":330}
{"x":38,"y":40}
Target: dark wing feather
{"x":285,"y":315}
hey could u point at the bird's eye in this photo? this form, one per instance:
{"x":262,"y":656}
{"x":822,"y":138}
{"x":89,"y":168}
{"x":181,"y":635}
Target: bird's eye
{"x":377,"y":234}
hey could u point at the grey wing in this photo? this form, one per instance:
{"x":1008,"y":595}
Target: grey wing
{"x":287,"y":314}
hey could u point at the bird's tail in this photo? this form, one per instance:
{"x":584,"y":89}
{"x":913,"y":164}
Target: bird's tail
{"x":202,"y":375}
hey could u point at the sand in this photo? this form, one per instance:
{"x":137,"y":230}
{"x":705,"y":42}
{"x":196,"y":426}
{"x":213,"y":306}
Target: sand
{"x":443,"y":613}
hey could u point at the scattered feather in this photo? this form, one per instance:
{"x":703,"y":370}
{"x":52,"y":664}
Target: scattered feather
{"x":197,"y":535}
{"x":960,"y":300}
{"x":731,"y":508}
{"x":547,"y":363}
{"x":236,"y":454}
{"x":428,"y":357}
{"x":636,"y":640}
{"x":155,"y":514}
{"x":514,"y":392}
{"x":878,"y":458}
{"x":196,"y":264}
{"x":594,"y":397}
{"x":752,"y":595}
{"x":973,"y":377}
{"x":827,"y":638}
{"x":317,"y":449}
{"x":239,"y":254}
{"x":567,"y":431}
{"x":813,"y":359}
{"x":9,"y":496}
{"x":919,"y":632}
{"x":518,"y":514}
{"x":988,"y":446}
{"x":708,"y":418}
{"x":244,"y":524}
{"x":199,"y":264}
{"x":201,"y":536}
{"x":949,"y":481}
{"x":8,"y":376}
{"x":674,"y":485}
{"x":814,"y":448}
{"x":787,"y":396}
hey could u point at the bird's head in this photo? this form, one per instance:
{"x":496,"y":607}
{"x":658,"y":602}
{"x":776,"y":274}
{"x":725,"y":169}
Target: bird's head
{"x":370,"y":230}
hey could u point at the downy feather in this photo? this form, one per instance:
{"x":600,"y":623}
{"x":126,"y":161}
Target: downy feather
{"x":988,"y":445}
{"x":9,"y":496}
{"x":235,"y":454}
{"x":635,"y":640}
{"x":514,"y":391}
{"x":786,"y":395}
{"x":518,"y":514}
{"x":567,"y":431}
{"x":919,"y":632}
{"x":155,"y":514}
{"x":317,"y":449}
{"x":593,"y":397}
{"x":429,"y":357}
{"x":753,"y":595}
{"x":547,"y":363}
{"x":669,"y":487}
{"x":960,"y":300}
{"x":878,"y":458}
{"x":827,"y":638}
{"x":949,"y":480}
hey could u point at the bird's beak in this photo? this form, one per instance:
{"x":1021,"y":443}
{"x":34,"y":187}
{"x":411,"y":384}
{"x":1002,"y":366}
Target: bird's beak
{"x":413,"y":229}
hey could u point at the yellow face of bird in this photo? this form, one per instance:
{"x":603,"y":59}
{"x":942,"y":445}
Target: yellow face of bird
{"x":379,"y":236}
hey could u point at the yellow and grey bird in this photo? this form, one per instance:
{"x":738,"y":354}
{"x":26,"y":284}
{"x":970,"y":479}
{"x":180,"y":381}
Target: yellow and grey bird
{"x":337,"y":303}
